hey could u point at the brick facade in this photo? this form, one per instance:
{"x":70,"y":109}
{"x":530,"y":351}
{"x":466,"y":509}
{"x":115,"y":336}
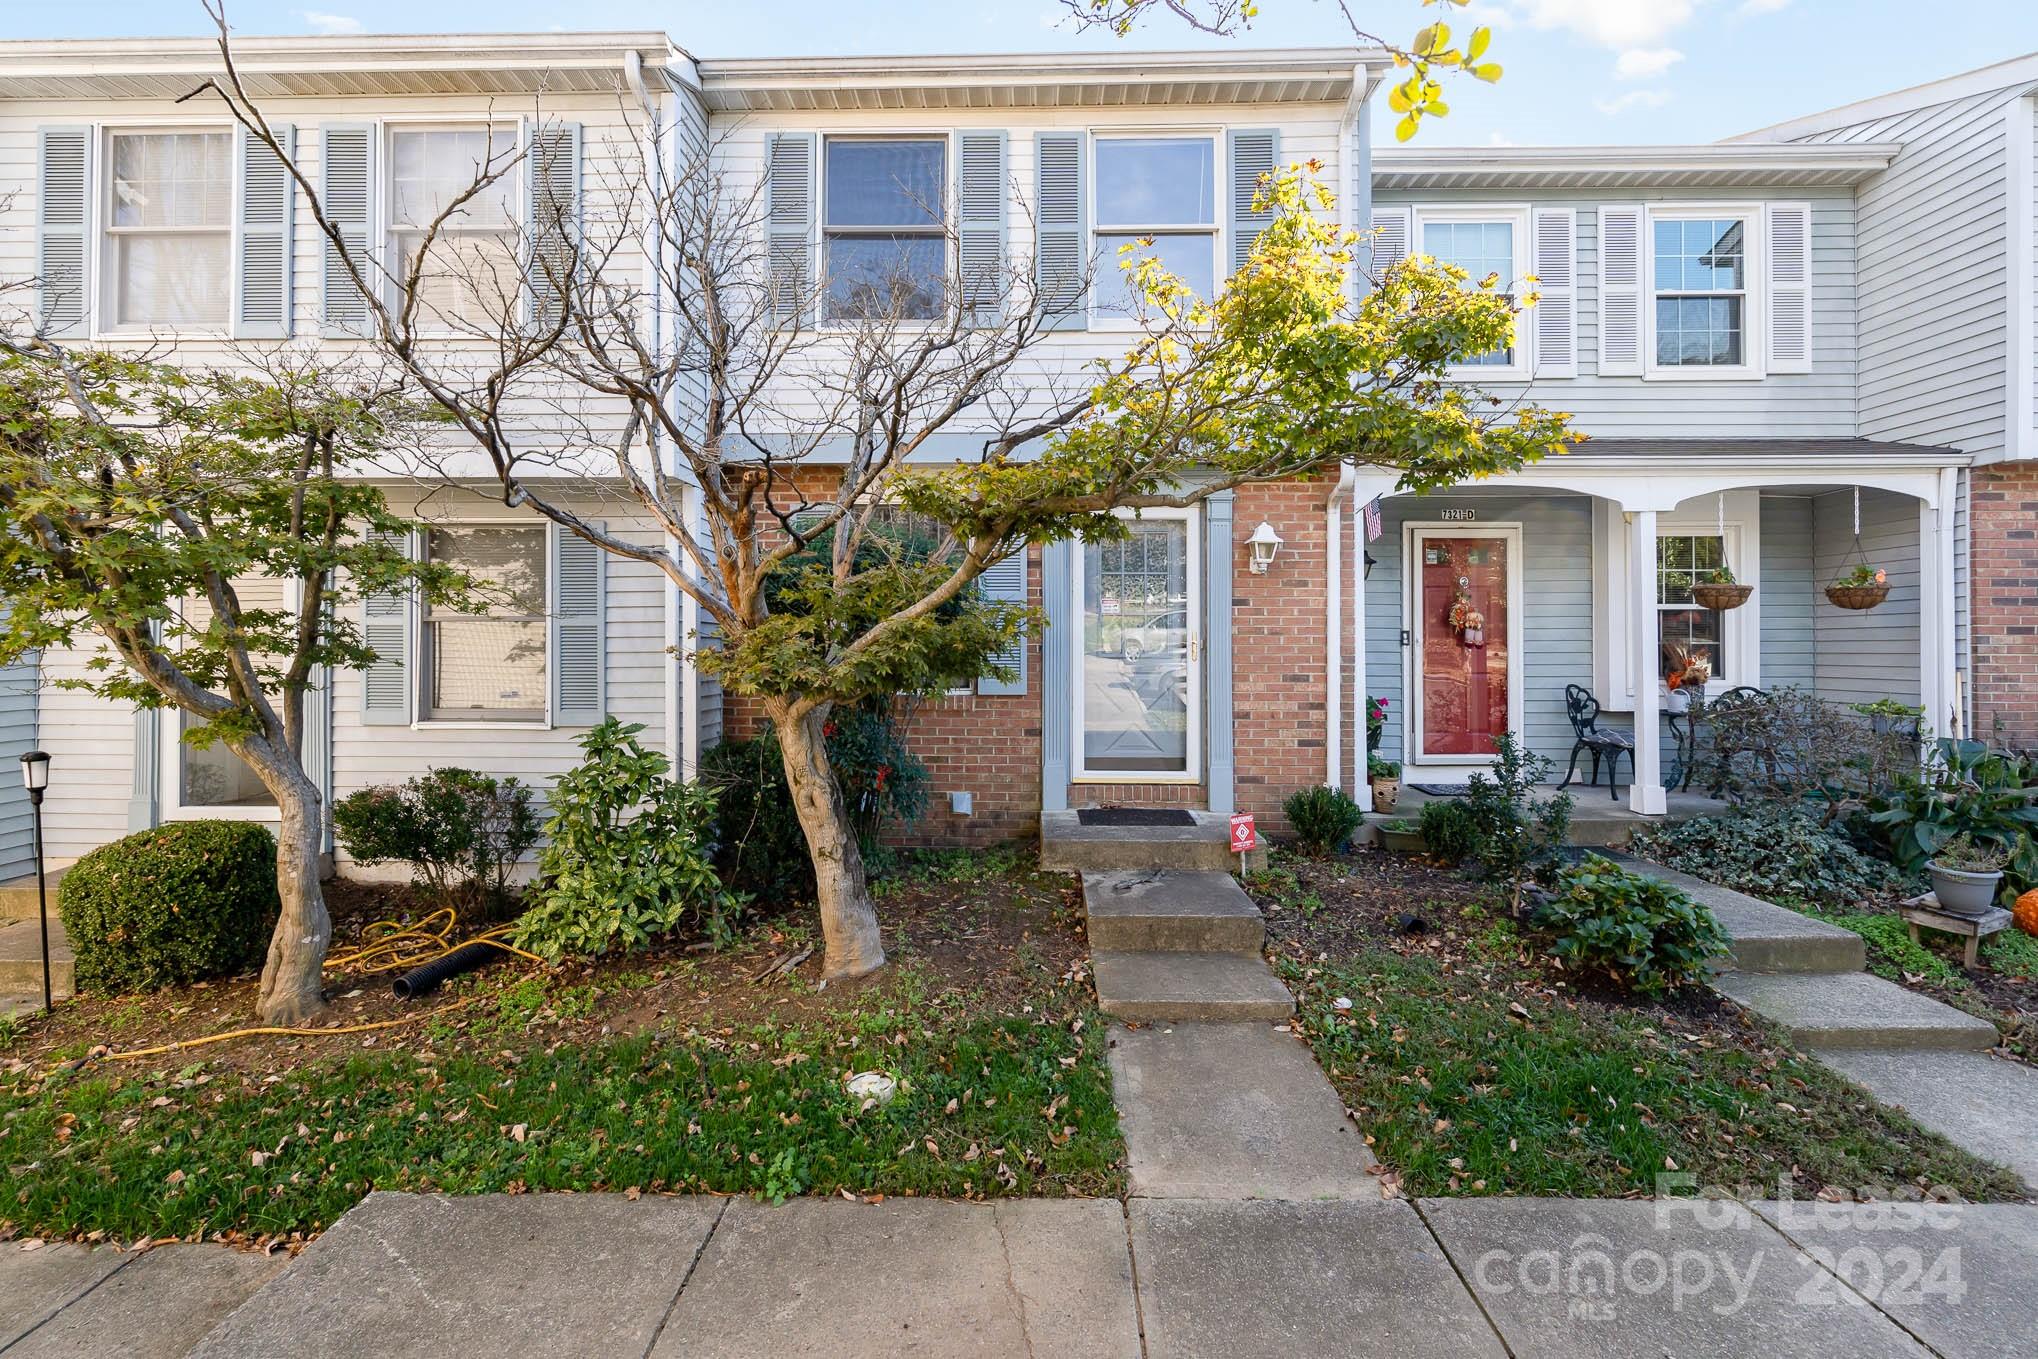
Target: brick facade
{"x":2003,"y":590}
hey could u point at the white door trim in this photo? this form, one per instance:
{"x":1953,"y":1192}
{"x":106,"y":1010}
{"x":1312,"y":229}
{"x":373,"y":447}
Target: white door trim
{"x":1413,"y":532}
{"x":1193,"y":696}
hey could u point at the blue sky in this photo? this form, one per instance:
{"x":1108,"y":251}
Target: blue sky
{"x":1578,"y":71}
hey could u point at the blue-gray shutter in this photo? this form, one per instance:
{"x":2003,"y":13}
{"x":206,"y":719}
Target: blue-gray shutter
{"x":1620,"y":290}
{"x":980,"y":197}
{"x":789,"y":213}
{"x":63,"y":218}
{"x":1252,"y":155}
{"x":578,"y":697}
{"x":1005,"y":579}
{"x":552,"y":179}
{"x":268,"y":202}
{"x":1061,"y":230}
{"x":347,"y":191}
{"x":1555,"y":318}
{"x":387,"y":691}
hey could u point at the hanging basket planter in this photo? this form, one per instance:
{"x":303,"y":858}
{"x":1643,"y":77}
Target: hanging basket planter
{"x":1858,"y":596}
{"x":1720,"y":598}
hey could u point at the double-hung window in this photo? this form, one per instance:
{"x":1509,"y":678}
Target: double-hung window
{"x":1159,"y":196}
{"x":884,"y":228}
{"x":1685,"y":629}
{"x":490,"y":665}
{"x":169,"y":227}
{"x":469,"y":276}
{"x":1700,"y":267}
{"x":1485,"y":247}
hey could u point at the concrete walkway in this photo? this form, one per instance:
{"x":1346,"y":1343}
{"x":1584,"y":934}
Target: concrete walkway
{"x":595,"y":1274}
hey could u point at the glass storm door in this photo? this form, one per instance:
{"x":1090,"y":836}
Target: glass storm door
{"x":1462,"y":610}
{"x":1137,"y":701}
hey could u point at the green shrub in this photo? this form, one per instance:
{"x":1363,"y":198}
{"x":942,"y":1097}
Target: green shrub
{"x":462,"y":834}
{"x":170,"y":906}
{"x":1448,"y":830}
{"x":1323,"y":818}
{"x":1965,"y":789}
{"x":626,"y":857}
{"x":1638,"y":930}
{"x":1773,"y":851}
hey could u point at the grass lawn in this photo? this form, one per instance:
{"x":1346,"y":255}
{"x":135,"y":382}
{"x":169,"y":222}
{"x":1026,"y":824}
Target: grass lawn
{"x":1477,"y":1067}
{"x":677,"y":1071}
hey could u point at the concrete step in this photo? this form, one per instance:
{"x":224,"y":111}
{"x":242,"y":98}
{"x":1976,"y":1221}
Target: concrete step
{"x":1185,"y":986}
{"x":1855,"y":1010}
{"x":1068,"y":846}
{"x":1987,"y":1104}
{"x":1767,"y":937}
{"x":21,"y":960}
{"x":1153,"y":910}
{"x":17,"y":897}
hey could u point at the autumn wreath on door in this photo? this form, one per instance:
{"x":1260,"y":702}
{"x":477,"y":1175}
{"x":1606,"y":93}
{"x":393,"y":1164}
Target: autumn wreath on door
{"x":1466,"y":620}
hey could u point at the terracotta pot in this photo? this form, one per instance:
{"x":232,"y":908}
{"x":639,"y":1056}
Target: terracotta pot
{"x":1857,"y":596}
{"x":1720,"y":598}
{"x":1386,"y":794}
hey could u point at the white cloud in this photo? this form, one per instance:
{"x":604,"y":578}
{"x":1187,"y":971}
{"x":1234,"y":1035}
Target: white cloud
{"x":1646,"y":63}
{"x":1633,"y":99}
{"x":1761,"y":6}
{"x":1497,"y":140}
{"x":1619,"y":24}
{"x":329,"y":24}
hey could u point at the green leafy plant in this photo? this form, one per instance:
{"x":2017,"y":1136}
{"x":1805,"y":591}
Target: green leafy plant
{"x":1964,"y":789}
{"x":1448,"y":830}
{"x":1515,"y":835}
{"x":1964,"y":855}
{"x":626,"y":855}
{"x":1719,"y":575}
{"x":1323,"y":818}
{"x":1771,"y":850}
{"x":1860,"y":577}
{"x":462,"y":834}
{"x":1377,"y":768}
{"x":1636,"y":929}
{"x":170,"y":906}
{"x":1888,"y":707}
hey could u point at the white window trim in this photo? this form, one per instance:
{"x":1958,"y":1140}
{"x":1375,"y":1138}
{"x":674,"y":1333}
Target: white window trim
{"x":1524,"y":365}
{"x":170,"y":764}
{"x":817,"y":243}
{"x":420,"y":689}
{"x":100,"y":292}
{"x":1216,"y":230}
{"x":1198,"y":604}
{"x":1613,"y":651}
{"x":1414,"y":764}
{"x":1755,"y":292}
{"x":383,"y":190}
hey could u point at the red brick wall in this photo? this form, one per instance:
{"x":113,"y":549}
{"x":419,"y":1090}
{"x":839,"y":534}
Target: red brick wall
{"x":2003,"y":593}
{"x":1277,"y":648}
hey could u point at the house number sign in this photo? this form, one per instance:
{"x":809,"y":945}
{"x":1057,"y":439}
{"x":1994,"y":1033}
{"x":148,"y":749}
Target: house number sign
{"x":1457,"y":516}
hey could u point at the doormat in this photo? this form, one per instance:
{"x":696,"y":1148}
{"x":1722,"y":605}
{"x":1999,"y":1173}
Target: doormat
{"x":1440,"y":789}
{"x":1134,"y":816}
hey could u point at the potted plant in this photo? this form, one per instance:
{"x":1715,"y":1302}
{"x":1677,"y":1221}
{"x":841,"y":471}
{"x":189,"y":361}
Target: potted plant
{"x":1385,"y":777}
{"x":1401,"y":836}
{"x":1719,"y":591}
{"x":1966,"y":875}
{"x":1685,"y":675}
{"x":1862,"y":588}
{"x":1886,"y":716}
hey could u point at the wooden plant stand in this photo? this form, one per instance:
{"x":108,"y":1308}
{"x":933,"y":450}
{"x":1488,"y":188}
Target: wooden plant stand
{"x":1924,"y":912}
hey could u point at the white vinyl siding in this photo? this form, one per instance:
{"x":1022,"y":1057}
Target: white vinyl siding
{"x":1867,"y":654}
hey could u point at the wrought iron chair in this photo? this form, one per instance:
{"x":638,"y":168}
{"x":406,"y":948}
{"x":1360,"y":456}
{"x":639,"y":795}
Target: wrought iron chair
{"x":1600,"y":742}
{"x":1728,"y":738}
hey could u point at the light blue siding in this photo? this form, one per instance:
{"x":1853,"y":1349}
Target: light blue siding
{"x":1867,"y":654}
{"x":1786,"y":585}
{"x":17,"y":736}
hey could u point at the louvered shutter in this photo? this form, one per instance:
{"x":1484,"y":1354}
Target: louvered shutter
{"x":552,"y":193}
{"x":386,"y":689}
{"x":1061,"y":229}
{"x":268,"y":202}
{"x":347,"y":191}
{"x":1620,"y":290}
{"x":1252,"y":156}
{"x":63,"y":217}
{"x":1555,"y":318}
{"x":980,"y":196}
{"x":789,"y":211}
{"x":1005,"y":579}
{"x":1790,"y":287}
{"x":578,"y":699}
{"x":1391,"y":230}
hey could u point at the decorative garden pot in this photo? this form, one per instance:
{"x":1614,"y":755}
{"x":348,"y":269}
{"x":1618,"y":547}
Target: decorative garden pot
{"x":1402,"y":841}
{"x":1677,"y":701}
{"x":1963,"y":893}
{"x":1719,"y":598}
{"x":1386,"y":794}
{"x":1857,"y":596}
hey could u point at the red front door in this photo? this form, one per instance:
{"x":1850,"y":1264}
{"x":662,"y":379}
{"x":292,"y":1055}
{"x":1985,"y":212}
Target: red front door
{"x":1463,"y":666}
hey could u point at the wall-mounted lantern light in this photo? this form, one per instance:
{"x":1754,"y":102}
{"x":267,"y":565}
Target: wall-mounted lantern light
{"x":1265,"y":545}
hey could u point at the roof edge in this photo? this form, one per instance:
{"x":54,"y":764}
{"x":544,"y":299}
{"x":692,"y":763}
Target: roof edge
{"x":2001,"y":75}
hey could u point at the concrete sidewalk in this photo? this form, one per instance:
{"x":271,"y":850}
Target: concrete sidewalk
{"x":598,"y":1275}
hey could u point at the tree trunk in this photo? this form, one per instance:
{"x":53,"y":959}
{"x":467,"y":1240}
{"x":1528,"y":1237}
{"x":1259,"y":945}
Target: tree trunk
{"x":293,"y":975}
{"x":848,"y":919}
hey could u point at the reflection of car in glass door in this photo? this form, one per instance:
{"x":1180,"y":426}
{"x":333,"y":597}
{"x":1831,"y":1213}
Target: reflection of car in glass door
{"x":1159,"y":635}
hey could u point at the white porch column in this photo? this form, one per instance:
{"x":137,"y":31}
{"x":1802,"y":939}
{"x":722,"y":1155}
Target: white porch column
{"x":1646,"y":795}
{"x":1937,"y":658}
{"x":1359,"y":650}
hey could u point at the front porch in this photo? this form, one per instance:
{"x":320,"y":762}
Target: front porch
{"x":1597,"y":820}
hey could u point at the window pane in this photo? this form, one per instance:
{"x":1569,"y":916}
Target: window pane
{"x":1699,"y":331}
{"x":888,"y":276}
{"x":430,"y":168}
{"x":215,"y":776}
{"x":470,"y":278}
{"x":172,"y":179}
{"x":885,"y":183}
{"x":507,"y":564}
{"x":1693,"y":634}
{"x":180,"y":280}
{"x":1700,"y":256}
{"x":1156,"y":181}
{"x":486,"y":667}
{"x":1189,"y":256}
{"x":1483,"y":250}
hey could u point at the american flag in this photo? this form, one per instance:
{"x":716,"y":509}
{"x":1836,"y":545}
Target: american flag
{"x":1372,"y":513}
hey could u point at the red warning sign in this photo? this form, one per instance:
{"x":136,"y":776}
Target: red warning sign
{"x":1243,"y":838}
